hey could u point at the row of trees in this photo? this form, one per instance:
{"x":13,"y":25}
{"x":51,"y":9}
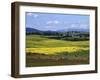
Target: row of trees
{"x":71,"y":35}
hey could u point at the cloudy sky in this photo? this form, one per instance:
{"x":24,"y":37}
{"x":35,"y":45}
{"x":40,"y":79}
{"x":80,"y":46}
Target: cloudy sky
{"x":49,"y":21}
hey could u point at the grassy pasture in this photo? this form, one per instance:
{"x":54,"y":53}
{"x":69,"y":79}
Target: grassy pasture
{"x":37,"y":41}
{"x":42,"y":51}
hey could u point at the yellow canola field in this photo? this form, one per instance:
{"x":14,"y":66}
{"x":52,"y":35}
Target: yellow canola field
{"x":55,"y":50}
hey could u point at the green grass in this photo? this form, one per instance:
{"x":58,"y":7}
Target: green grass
{"x":37,"y":41}
{"x":77,"y":52}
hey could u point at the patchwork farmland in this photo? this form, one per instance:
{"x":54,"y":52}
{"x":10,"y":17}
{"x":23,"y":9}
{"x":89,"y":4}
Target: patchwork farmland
{"x":42,"y":50}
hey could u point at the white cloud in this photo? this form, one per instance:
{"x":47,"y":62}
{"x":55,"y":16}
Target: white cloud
{"x":53,"y":22}
{"x":48,"y":27}
{"x":29,"y":14}
{"x":84,"y":26}
{"x":49,"y":22}
{"x":56,"y":22}
{"x":35,"y":15}
{"x":74,"y":25}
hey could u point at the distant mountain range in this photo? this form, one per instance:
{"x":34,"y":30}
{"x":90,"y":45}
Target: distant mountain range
{"x":29,"y":30}
{"x":71,"y":29}
{"x":32,"y":30}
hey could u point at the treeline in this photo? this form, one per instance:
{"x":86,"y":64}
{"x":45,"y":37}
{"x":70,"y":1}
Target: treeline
{"x":71,"y":35}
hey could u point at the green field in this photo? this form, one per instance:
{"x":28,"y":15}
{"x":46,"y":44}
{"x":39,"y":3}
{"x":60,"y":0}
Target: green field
{"x":42,"y":51}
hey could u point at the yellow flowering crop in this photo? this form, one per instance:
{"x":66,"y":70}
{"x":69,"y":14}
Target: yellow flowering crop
{"x":55,"y":50}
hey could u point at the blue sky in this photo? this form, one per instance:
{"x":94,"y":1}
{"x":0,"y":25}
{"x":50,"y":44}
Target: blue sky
{"x":49,"y":21}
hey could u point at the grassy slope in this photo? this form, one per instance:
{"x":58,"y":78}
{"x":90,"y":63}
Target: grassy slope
{"x":36,"y":41}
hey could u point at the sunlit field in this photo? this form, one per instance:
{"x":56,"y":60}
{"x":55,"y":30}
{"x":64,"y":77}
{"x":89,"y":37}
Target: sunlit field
{"x":42,"y":51}
{"x":53,"y":51}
